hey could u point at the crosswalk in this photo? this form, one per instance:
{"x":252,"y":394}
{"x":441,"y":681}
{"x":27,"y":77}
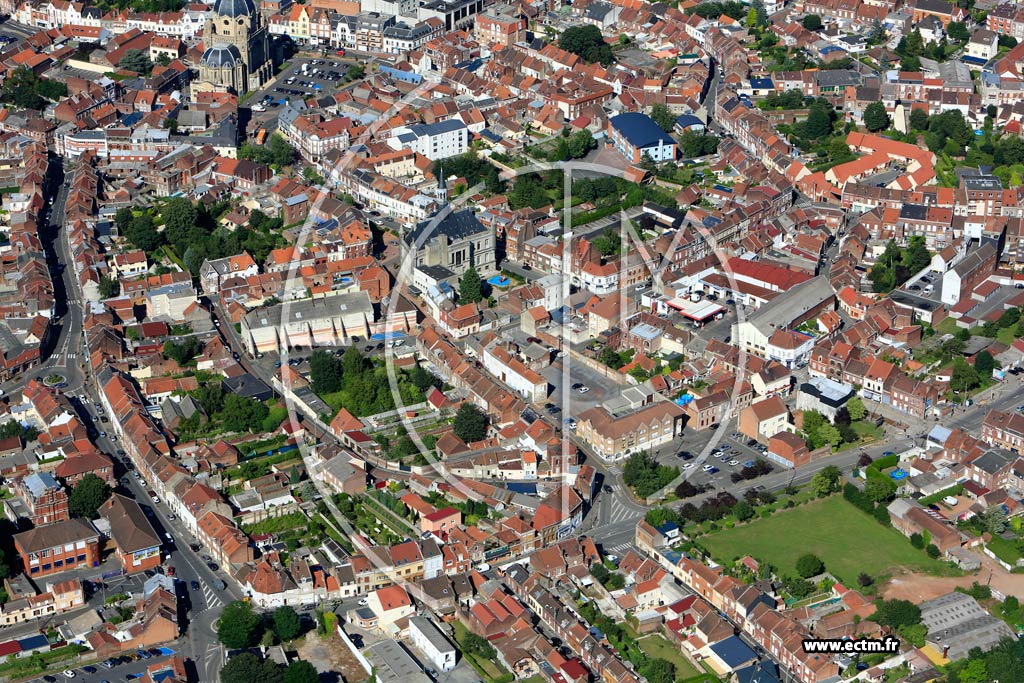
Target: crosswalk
{"x":620,"y":548}
{"x":212,"y":600}
{"x":621,"y":513}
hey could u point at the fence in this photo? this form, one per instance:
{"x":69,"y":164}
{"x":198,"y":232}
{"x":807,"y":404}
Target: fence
{"x":363,"y":662}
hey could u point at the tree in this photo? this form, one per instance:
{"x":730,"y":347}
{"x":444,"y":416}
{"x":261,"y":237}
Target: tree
{"x":182,"y":352}
{"x":875,"y":117}
{"x":657,"y":670}
{"x":478,"y":646}
{"x":743,"y":511}
{"x":933,"y":551}
{"x":696,"y":144}
{"x":830,"y":435}
{"x":287,"y":624}
{"x":587,"y":42}
{"x":277,"y":152}
{"x":896,"y":613}
{"x":819,"y":120}
{"x":826,"y":481}
{"x":580,"y":143}
{"x":137,"y":61}
{"x":957,"y":30}
{"x":864,"y":580}
{"x":179,"y":220}
{"x":87,"y":496}
{"x":22,"y":89}
{"x":143,"y":234}
{"x":809,"y":565}
{"x":919,"y":119}
{"x":855,"y":406}
{"x":239,"y":626}
{"x":661,"y":115}
{"x":243,"y":414}
{"x":470,"y":287}
{"x":599,"y":572}
{"x":993,"y":520}
{"x":984,"y":363}
{"x":301,"y":672}
{"x":917,"y":540}
{"x":470,"y":423}
{"x":246,"y":667}
{"x":812,"y":22}
{"x":109,"y":286}
{"x":964,"y":377}
{"x":880,"y":489}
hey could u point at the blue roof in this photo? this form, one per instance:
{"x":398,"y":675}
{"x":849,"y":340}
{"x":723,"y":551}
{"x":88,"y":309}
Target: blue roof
{"x":33,"y":642}
{"x":830,"y":49}
{"x":733,"y":651}
{"x":974,"y":60}
{"x":687,"y":120}
{"x":640,"y":130}
{"x":761,"y":83}
{"x":668,"y":527}
{"x":522,"y":487}
{"x":758,"y":672}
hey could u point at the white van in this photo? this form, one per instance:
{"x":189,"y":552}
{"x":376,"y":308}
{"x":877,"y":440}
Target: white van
{"x":929,"y":289}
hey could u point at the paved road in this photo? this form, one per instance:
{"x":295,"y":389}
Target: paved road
{"x":63,"y":354}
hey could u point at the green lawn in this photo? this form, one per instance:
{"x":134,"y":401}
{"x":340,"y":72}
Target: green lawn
{"x":1004,"y":550}
{"x":947,"y":326}
{"x":847,"y":540}
{"x":487,"y":669}
{"x":658,"y":647}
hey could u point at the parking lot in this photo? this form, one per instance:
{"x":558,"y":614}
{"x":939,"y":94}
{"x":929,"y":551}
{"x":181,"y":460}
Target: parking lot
{"x":127,"y":667}
{"x":300,"y":80}
{"x":718,"y":468}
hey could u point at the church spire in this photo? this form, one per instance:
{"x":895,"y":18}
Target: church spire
{"x":441,"y":192}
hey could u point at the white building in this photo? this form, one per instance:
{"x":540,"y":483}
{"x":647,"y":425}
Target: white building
{"x":324,"y":321}
{"x":509,"y":369}
{"x":431,"y":642}
{"x":433,"y":140}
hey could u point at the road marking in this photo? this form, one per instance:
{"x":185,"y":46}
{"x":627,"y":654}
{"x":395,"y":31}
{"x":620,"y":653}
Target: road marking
{"x":621,"y":513}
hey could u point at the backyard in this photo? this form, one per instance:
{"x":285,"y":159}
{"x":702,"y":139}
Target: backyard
{"x":847,"y":540}
{"x":656,"y":647}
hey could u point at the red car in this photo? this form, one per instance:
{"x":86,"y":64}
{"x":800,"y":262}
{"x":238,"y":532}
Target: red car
{"x":340,"y":53}
{"x":170,"y":570}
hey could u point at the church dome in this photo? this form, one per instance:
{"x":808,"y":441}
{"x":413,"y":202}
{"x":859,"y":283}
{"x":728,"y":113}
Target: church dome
{"x":220,"y":55}
{"x":234,"y":8}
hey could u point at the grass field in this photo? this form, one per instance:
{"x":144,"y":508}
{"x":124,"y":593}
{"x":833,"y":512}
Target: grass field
{"x":847,"y":541}
{"x":656,"y":646}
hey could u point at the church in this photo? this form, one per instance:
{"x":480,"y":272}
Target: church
{"x":237,"y":55}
